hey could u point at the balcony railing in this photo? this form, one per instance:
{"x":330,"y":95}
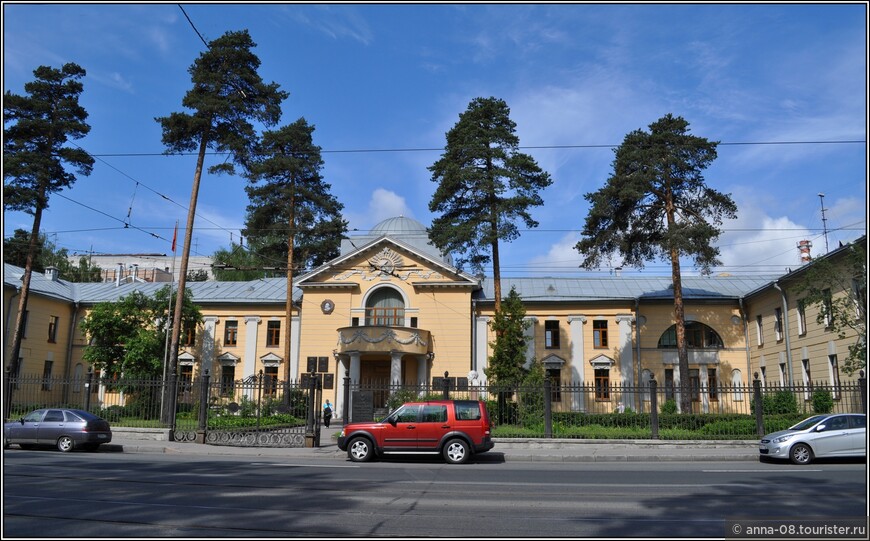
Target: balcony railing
{"x":380,"y":339}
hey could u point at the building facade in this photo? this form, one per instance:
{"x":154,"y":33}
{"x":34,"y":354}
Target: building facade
{"x":392,"y":309}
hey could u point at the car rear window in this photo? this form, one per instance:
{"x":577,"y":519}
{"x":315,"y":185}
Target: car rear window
{"x":858,"y":421}
{"x":467,"y":411}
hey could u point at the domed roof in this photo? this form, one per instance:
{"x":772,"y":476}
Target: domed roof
{"x":399,"y":225}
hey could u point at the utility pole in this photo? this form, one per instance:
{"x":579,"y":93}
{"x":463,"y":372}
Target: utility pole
{"x":824,"y":220}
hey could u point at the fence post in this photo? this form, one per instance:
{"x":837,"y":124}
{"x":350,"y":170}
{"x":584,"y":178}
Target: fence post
{"x":203,"y":401}
{"x":756,"y":394}
{"x":309,"y":422}
{"x":653,"y":406}
{"x":7,"y":392}
{"x":346,"y":408}
{"x":446,"y":385}
{"x":548,"y":408}
{"x":862,"y":384}
{"x":88,"y":383}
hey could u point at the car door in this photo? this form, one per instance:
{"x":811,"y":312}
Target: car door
{"x":25,"y":431}
{"x":433,"y":426}
{"x":858,"y":435}
{"x":834,"y":438}
{"x":50,"y":428}
{"x":400,"y":429}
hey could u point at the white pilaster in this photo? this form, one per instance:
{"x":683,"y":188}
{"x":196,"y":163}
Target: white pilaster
{"x":250,"y":361}
{"x":208,"y":338}
{"x":578,"y":366}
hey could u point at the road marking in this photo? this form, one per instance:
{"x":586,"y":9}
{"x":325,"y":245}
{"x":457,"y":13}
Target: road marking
{"x":300,"y":465}
{"x":754,"y":471}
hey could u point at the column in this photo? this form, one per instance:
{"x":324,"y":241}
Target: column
{"x":250,"y":361}
{"x":626,"y":358}
{"x":295,"y":330}
{"x":578,"y":364}
{"x":481,"y":345}
{"x":422,"y":369}
{"x":340,"y":369}
{"x":209,"y":324}
{"x":395,"y":367}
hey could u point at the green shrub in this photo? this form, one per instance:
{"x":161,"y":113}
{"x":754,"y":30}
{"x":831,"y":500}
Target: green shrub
{"x":823,"y":402}
{"x":669,"y":407}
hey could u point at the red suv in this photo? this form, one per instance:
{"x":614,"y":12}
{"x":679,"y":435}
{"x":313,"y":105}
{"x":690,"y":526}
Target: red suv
{"x":453,"y":428}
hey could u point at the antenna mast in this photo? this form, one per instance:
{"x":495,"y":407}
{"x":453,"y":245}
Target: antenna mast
{"x":824,"y":220}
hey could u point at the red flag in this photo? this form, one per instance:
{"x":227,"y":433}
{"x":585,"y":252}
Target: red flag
{"x":174,"y":236}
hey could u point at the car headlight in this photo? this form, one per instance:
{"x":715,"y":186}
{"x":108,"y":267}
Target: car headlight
{"x":784,"y":438}
{"x":341,"y":434}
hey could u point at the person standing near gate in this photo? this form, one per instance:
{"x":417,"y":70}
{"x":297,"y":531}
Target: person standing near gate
{"x":327,"y":413}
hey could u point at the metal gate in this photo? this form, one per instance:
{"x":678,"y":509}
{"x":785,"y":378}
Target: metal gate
{"x":258,"y":411}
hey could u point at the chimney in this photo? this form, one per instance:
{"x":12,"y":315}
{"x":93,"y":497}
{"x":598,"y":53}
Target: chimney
{"x":51,"y":273}
{"x":135,"y":271}
{"x":617,"y":271}
{"x":804,"y":249}
{"x":118,"y":274}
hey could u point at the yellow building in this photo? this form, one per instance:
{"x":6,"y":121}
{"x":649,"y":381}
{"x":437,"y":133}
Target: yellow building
{"x":392,"y":309}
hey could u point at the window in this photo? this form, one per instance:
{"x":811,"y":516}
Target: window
{"x":777,"y":323}
{"x":859,"y":290}
{"x":385,"y":307}
{"x":467,"y":411}
{"x":52,"y":328}
{"x":551,"y":334}
{"x":185,"y":377}
{"x":782,"y":373}
{"x":231,"y":333}
{"x":695,"y":384}
{"x":602,"y":384}
{"x":53,"y":416}
{"x":46,"y":375}
{"x":189,"y":336}
{"x":763,"y":376}
{"x":808,"y":378}
{"x":712,"y":384}
{"x":698,"y":336}
{"x":669,"y":383}
{"x":802,"y":317}
{"x":270,"y":380}
{"x":827,"y":307}
{"x":599,"y":333}
{"x":737,"y":384}
{"x":759,"y":330}
{"x":228,"y":380}
{"x":406,"y":414}
{"x":555,"y":377}
{"x":435,"y":413}
{"x":273,"y":333}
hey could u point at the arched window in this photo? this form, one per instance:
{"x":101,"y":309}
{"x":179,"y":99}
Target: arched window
{"x":385,"y":307}
{"x":698,"y":336}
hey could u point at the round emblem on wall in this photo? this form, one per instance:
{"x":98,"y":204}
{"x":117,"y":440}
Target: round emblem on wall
{"x":327,"y":306}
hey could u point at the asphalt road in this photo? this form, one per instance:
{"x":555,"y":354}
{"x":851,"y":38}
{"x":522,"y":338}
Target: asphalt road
{"x":111,"y":495}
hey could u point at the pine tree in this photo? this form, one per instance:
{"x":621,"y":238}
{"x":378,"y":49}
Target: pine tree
{"x":37,"y":128}
{"x":485,"y":185}
{"x":656,"y":204}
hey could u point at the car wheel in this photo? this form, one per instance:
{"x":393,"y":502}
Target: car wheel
{"x":65,"y":444}
{"x":360,"y":450}
{"x":456,"y":452}
{"x":801,"y":454}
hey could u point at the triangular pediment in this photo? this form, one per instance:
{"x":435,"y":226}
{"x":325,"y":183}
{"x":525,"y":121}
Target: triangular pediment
{"x":383,"y":259}
{"x":602,"y":361}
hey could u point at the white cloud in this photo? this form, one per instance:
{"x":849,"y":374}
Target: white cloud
{"x":387,"y":204}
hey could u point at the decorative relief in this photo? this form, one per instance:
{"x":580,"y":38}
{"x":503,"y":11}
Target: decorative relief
{"x":388,"y":335}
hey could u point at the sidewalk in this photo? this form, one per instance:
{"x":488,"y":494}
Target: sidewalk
{"x":508,"y":449}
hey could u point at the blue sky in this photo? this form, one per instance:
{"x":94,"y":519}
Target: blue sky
{"x":782,"y":87}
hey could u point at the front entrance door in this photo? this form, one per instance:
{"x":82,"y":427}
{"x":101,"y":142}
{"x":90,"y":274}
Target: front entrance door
{"x":375,"y":376}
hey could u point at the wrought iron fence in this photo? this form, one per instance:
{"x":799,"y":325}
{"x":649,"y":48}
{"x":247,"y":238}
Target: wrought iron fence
{"x":254,"y":411}
{"x":588,"y":410}
{"x":259,"y":410}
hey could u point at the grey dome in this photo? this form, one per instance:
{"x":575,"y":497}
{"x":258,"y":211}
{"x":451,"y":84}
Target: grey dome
{"x":399,"y":225}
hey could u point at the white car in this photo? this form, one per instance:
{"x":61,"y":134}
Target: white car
{"x":820,"y":436}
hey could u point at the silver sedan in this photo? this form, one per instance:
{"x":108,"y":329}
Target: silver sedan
{"x":65,"y":429}
{"x":820,"y":436}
